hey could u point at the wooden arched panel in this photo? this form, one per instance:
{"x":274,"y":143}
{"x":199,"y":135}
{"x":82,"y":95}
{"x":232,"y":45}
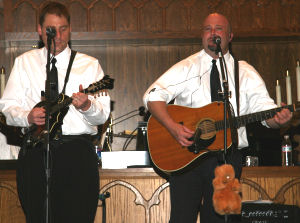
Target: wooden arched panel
{"x":249,"y":18}
{"x":177,"y":17}
{"x":126,"y":17}
{"x":24,"y":18}
{"x":198,"y":14}
{"x":151,"y":17}
{"x":79,"y":18}
{"x":101,"y":17}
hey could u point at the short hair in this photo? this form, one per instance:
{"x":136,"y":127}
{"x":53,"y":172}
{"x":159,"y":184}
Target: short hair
{"x":55,"y":8}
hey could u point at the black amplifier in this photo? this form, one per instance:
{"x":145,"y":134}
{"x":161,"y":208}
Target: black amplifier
{"x":142,"y":141}
{"x":269,"y":213}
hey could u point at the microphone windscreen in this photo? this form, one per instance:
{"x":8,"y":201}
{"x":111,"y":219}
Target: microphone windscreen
{"x":217,"y":39}
{"x":51,"y":31}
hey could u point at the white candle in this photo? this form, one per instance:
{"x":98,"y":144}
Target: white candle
{"x":298,"y":80}
{"x":2,"y":79}
{"x":288,"y":88}
{"x":278,"y":94}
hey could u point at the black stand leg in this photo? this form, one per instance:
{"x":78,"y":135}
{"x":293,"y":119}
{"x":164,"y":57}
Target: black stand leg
{"x":102,"y":197}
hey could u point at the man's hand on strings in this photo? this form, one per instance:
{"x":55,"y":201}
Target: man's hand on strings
{"x":37,"y":116}
{"x":281,"y":118}
{"x":182,"y":134}
{"x":81,"y":100}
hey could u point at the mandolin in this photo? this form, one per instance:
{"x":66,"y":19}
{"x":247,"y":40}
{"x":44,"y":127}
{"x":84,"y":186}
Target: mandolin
{"x":58,"y":110}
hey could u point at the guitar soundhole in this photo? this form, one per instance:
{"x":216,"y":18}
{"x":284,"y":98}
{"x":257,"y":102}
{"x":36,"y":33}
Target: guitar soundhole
{"x":207,"y":128}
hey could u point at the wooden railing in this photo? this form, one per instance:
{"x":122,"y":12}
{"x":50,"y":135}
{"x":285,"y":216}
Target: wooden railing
{"x":141,"y":195}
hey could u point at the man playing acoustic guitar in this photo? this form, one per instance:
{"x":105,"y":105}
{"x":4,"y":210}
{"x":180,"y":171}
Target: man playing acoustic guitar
{"x":190,"y":83}
{"x":74,"y":176}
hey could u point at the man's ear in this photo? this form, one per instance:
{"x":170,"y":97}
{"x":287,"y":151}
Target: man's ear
{"x":230,"y":37}
{"x":39,"y":29}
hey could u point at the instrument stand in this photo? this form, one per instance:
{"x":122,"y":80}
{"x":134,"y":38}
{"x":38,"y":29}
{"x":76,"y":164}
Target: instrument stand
{"x":102,"y":197}
{"x":50,"y":38}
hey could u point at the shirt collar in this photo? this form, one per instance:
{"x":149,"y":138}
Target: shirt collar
{"x":62,"y":58}
{"x":208,"y":58}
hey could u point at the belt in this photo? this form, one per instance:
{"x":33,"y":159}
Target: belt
{"x":72,"y":137}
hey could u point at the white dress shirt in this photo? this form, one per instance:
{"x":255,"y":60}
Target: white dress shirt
{"x":188,"y":82}
{"x":27,"y":80}
{"x":7,"y":151}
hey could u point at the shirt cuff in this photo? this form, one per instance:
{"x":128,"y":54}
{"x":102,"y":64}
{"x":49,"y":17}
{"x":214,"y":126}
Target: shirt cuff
{"x":90,"y":110}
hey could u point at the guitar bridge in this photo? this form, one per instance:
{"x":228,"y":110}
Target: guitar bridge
{"x":200,"y":144}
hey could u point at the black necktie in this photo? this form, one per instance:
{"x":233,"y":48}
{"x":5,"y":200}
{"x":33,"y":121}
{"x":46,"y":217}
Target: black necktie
{"x":53,"y":81}
{"x":215,"y":84}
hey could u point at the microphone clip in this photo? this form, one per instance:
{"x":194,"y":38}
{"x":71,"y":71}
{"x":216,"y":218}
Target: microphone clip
{"x":217,"y":41}
{"x":51,"y":32}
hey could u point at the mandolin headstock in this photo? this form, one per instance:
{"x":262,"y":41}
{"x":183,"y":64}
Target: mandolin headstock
{"x":101,"y":86}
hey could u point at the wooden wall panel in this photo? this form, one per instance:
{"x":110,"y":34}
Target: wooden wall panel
{"x":126,"y":17}
{"x":79,"y":20}
{"x":101,"y":17}
{"x":271,"y":59}
{"x":198,"y":12}
{"x":25,"y":19}
{"x":151,"y":17}
{"x":249,"y":17}
{"x":177,"y":17}
{"x":1,"y":24}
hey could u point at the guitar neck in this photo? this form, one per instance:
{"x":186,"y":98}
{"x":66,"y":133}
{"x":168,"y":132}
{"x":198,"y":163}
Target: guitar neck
{"x":254,"y":117}
{"x":261,"y":116}
{"x":66,"y":101}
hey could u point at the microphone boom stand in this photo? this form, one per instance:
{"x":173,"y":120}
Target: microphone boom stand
{"x":225,"y":96}
{"x":47,"y":133}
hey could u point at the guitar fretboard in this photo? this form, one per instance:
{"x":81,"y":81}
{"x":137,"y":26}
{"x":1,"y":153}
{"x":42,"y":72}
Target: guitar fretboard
{"x":254,"y":117}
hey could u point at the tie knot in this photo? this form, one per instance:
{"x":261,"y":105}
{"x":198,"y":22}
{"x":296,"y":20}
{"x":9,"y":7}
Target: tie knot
{"x":53,"y":61}
{"x":214,"y":61}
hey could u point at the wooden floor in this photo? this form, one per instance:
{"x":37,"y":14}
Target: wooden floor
{"x":140,"y":195}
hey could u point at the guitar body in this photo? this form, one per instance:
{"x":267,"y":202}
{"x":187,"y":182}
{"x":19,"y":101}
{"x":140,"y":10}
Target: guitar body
{"x":167,"y":154}
{"x":208,"y":122}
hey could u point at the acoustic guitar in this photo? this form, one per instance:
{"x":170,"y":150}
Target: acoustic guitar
{"x":58,"y":109}
{"x":207,"y":122}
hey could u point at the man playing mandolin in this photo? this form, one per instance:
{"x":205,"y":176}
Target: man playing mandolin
{"x":193,"y":82}
{"x":74,"y":176}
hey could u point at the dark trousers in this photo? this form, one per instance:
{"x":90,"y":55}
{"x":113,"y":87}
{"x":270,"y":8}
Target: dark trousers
{"x":192,"y":191}
{"x":74,"y":182}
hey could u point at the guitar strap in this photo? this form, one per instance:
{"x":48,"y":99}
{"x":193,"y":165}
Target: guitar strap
{"x":58,"y":133}
{"x":73,"y":54}
{"x":237,"y":85}
{"x":234,"y":134}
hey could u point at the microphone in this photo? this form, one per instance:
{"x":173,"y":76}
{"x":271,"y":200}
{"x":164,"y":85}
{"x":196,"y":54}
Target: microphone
{"x":142,"y":111}
{"x":103,"y":196}
{"x":51,"y":31}
{"x":217,"y":40}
